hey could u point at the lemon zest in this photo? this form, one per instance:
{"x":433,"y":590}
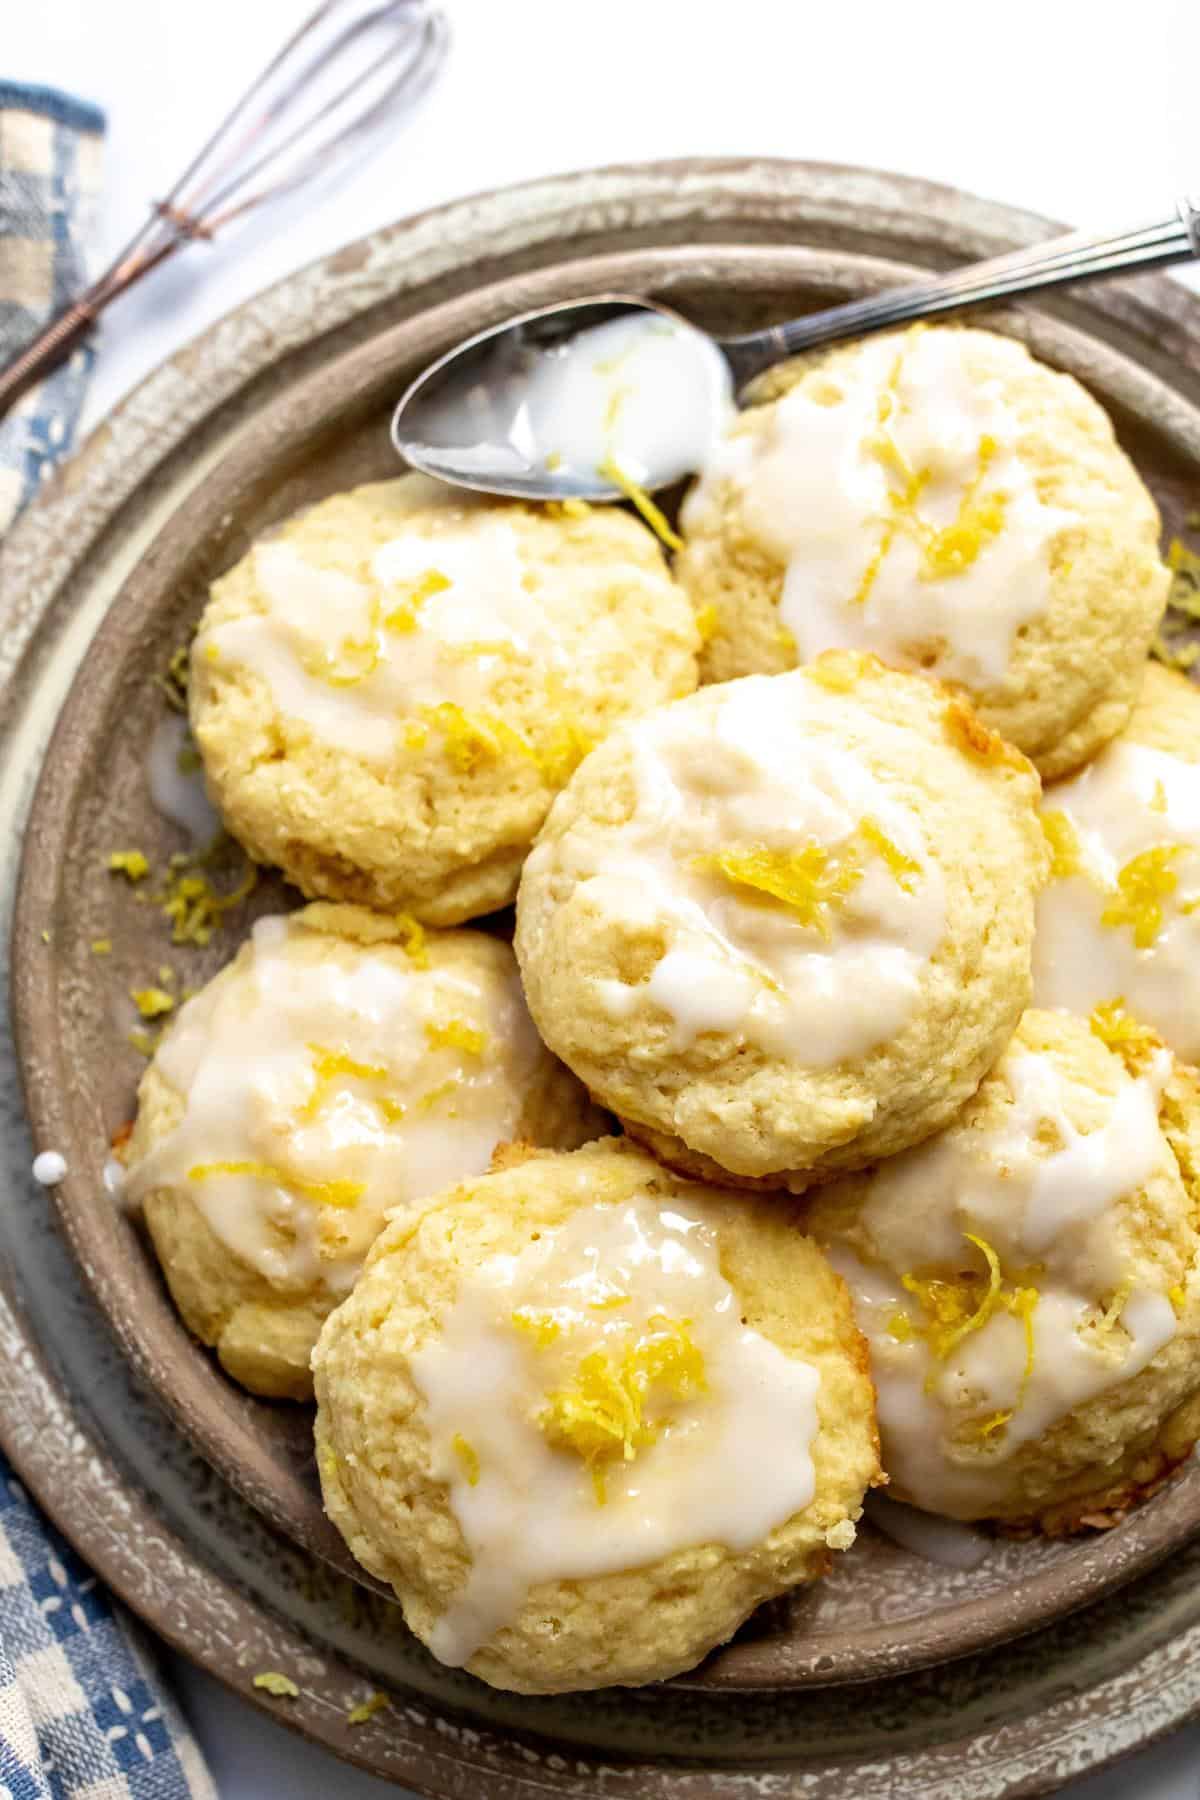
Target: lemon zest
{"x":467,"y":1456}
{"x":538,"y":1323}
{"x":404,"y":616}
{"x":614,"y":1406}
{"x":473,"y":738}
{"x":1132,"y":1041}
{"x":327,"y":1066}
{"x":839,"y":671}
{"x":815,"y":879}
{"x":413,"y":939}
{"x":640,"y":499}
{"x":900,"y":1326}
{"x":272,"y":1682}
{"x":194,"y":907}
{"x":366,"y":1709}
{"x":133,"y":864}
{"x":144,"y":1042}
{"x":152,"y":1002}
{"x":1177,"y":1295}
{"x":1063,"y":839}
{"x":903,"y":868}
{"x":1142,"y":885}
{"x":440,"y":1092}
{"x":570,"y":508}
{"x":455,"y":1034}
{"x":706,"y":622}
{"x":325,"y":1193}
{"x":101,"y":946}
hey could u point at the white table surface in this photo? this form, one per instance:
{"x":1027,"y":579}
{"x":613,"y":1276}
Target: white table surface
{"x":1079,"y":109}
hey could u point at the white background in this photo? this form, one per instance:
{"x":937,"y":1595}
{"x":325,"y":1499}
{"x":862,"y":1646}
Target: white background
{"x":1078,"y":109}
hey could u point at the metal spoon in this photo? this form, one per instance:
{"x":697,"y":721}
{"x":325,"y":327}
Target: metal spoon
{"x":481,"y":416}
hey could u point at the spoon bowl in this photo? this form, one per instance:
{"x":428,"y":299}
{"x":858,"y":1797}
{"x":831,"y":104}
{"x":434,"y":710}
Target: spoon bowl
{"x":571,"y":402}
{"x":599,"y":399}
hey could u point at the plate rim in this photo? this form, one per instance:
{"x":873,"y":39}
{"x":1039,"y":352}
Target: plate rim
{"x":710,"y":169}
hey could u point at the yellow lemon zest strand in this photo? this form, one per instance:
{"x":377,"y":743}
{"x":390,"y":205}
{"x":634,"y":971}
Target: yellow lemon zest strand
{"x":570,"y":508}
{"x":413,"y":939}
{"x":455,"y":1034}
{"x":173,"y":682}
{"x":326,"y":1193}
{"x":390,"y":1111}
{"x":654,"y":517}
{"x":194,"y":907}
{"x":152,"y":1002}
{"x":615,"y":1404}
{"x":440,"y":1092}
{"x":133,"y":864}
{"x":953,"y":549}
{"x":954,"y":1309}
{"x":467,"y":1456}
{"x":1142,"y":885}
{"x":101,"y":946}
{"x":561,"y":749}
{"x":144,"y":1042}
{"x":982,"y":1429}
{"x":609,"y":1303}
{"x":1132,"y":1041}
{"x":354,"y":659}
{"x":272,"y":1682}
{"x":903,"y":868}
{"x":706,"y":623}
{"x":1116,"y":1306}
{"x":1177,"y":1295}
{"x":366,"y":1709}
{"x":900,"y":1326}
{"x":404,"y":616}
{"x":969,"y":733}
{"x":474,"y":738}
{"x":813,"y":880}
{"x":328,"y":1065}
{"x":839,"y":671}
{"x":1158,"y":800}
{"x":538,"y":1323}
{"x":416,"y":735}
{"x":1063,"y":839}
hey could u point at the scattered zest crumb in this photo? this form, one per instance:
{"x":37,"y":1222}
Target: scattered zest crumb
{"x":366,"y":1709}
{"x":133,"y":864}
{"x":973,"y":736}
{"x":101,"y":946}
{"x":144,"y":1042}
{"x":272,"y":1682}
{"x":152,"y":1002}
{"x":412,"y":934}
{"x":45,"y":937}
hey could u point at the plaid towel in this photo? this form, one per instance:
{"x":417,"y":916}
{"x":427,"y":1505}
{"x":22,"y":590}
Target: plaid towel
{"x":83,"y":1714}
{"x":49,"y":186}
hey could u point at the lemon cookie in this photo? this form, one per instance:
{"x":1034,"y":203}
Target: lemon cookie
{"x":942,"y":499}
{"x":1028,"y":1281}
{"x":1120,"y":918}
{"x":389,"y":693}
{"x":783,"y":926}
{"x":673,"y":1423}
{"x":340,"y":1066}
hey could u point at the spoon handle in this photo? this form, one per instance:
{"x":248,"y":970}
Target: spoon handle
{"x":1080,"y":256}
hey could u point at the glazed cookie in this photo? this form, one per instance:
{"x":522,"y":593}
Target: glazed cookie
{"x":339,"y":1067}
{"x":1028,"y":1282}
{"x":389,"y":693}
{"x":783,"y":927}
{"x":1120,"y":918}
{"x":675,"y":1425}
{"x":942,"y":499}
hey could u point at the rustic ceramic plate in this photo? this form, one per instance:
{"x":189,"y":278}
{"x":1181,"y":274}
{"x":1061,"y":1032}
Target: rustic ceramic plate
{"x":279,"y":404}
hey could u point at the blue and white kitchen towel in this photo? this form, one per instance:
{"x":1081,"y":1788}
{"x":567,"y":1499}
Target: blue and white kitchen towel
{"x":83,"y":1712}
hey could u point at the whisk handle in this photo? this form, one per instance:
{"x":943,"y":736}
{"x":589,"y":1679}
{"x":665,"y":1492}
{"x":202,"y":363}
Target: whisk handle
{"x":52,"y":345}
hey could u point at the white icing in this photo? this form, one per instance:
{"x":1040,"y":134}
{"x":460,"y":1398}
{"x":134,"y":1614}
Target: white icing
{"x":243,"y":1054}
{"x":321,"y":620}
{"x":1052,"y":1218}
{"x":176,"y":781}
{"x":816,"y":494}
{"x":764,"y":769}
{"x":49,"y":1168}
{"x":1129,"y":800}
{"x":649,"y":392}
{"x":730,"y":1464}
{"x":942,"y":1541}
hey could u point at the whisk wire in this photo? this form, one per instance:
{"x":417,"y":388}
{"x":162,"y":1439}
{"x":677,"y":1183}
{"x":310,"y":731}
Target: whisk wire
{"x":218,"y":185}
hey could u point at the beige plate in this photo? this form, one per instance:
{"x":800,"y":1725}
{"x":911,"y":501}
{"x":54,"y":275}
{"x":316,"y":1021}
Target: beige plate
{"x":284,"y":401}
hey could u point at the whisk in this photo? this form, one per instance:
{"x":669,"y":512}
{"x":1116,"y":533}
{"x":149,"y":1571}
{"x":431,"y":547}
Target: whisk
{"x":240,"y":168}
